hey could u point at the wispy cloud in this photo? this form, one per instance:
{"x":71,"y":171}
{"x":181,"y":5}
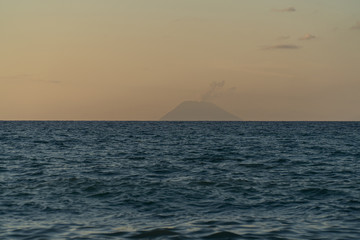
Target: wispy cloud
{"x":356,"y":26}
{"x":26,"y":77}
{"x":283,"y":47}
{"x":269,"y":70}
{"x":217,"y":90}
{"x":54,"y":81}
{"x":289,"y":9}
{"x":214,"y":91}
{"x":16,"y":77}
{"x":283,"y":37}
{"x":307,"y":37}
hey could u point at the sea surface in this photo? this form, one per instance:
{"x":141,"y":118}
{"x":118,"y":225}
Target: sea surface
{"x":179,"y":180}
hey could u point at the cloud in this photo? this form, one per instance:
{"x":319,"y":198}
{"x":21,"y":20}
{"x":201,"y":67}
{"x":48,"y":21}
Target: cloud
{"x":283,"y":46}
{"x":16,"y":77}
{"x":289,"y":9}
{"x":283,"y":37}
{"x":214,"y":91}
{"x":26,"y":77}
{"x":307,"y":37}
{"x":356,"y":26}
{"x":217,"y":90}
{"x":54,"y":81}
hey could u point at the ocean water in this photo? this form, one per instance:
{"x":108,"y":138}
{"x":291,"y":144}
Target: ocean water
{"x":179,"y":180}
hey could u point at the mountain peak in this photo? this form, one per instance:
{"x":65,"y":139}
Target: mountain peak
{"x":198,"y":111}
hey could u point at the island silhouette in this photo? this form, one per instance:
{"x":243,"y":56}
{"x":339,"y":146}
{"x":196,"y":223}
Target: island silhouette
{"x":198,"y":111}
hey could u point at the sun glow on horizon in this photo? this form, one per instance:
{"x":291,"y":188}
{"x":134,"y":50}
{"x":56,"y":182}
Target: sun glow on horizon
{"x":137,"y":60}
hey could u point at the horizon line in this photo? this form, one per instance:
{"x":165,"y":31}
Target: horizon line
{"x":38,"y":120}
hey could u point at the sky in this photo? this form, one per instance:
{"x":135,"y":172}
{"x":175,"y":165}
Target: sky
{"x":263,"y":60}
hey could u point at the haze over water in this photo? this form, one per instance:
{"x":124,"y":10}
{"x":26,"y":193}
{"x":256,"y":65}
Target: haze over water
{"x":179,"y":180}
{"x":263,"y":60}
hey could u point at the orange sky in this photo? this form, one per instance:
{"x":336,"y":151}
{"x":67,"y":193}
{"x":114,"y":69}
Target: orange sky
{"x":137,"y":60}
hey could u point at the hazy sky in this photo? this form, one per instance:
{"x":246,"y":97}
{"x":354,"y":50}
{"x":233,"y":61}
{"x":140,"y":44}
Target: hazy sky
{"x":138,"y":59}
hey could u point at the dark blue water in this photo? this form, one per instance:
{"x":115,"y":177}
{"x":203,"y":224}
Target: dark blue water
{"x":179,"y":180}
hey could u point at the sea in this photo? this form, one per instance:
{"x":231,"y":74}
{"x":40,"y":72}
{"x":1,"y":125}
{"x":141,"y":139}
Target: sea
{"x":179,"y":180}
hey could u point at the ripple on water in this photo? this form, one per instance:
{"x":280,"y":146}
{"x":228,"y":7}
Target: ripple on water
{"x":137,"y":180}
